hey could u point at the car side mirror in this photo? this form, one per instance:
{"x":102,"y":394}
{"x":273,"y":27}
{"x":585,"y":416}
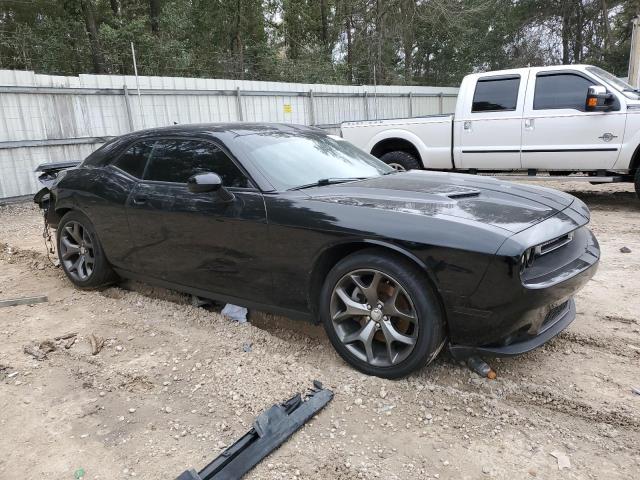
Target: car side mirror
{"x":599,"y":100}
{"x":209,"y":182}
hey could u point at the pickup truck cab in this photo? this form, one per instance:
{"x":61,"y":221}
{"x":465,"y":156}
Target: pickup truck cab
{"x":560,"y":119}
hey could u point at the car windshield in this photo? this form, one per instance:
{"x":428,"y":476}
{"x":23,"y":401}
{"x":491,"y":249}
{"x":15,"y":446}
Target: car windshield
{"x":615,"y":82}
{"x":296,"y":160}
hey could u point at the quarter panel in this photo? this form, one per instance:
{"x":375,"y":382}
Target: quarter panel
{"x":101,"y":193}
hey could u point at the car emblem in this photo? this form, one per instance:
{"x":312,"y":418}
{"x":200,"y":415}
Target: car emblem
{"x":607,"y":137}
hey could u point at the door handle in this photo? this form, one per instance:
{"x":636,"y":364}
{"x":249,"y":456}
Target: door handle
{"x":467,"y":125}
{"x":529,"y":123}
{"x":139,"y":200}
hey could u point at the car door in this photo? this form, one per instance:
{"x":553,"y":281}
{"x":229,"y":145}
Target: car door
{"x":487,"y":131}
{"x":111,"y":195}
{"x":557,"y":132}
{"x":200,"y":240}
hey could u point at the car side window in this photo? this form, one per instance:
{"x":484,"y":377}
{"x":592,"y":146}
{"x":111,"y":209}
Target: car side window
{"x":562,"y":90}
{"x":177,"y":160}
{"x":496,"y":94}
{"x":134,"y":159}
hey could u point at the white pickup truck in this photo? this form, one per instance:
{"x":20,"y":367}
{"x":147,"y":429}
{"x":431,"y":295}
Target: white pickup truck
{"x":561,"y":119}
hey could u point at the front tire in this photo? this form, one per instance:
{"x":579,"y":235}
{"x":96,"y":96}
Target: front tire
{"x":637,"y":182}
{"x":80,"y":252}
{"x":401,"y":161}
{"x":381,"y":314}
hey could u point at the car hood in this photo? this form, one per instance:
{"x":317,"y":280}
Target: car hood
{"x":510,"y":206}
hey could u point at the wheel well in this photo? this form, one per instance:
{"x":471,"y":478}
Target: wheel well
{"x":635,"y":161}
{"x":396,"y":144}
{"x":330,"y":257}
{"x":55,"y":216}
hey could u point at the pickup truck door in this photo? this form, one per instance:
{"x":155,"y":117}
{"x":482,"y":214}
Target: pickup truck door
{"x":488,"y":125}
{"x":557,"y":132}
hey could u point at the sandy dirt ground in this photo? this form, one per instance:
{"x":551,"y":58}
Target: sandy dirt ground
{"x":173,"y":384}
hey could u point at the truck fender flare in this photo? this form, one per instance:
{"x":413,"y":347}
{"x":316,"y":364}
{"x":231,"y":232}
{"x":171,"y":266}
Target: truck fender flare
{"x":404,"y":135}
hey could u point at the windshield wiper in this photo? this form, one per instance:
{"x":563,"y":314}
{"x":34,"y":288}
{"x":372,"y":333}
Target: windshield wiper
{"x":327,"y":181}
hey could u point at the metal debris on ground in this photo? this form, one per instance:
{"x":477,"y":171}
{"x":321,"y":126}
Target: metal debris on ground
{"x":270,"y":430}
{"x":12,"y":302}
{"x":96,"y":344}
{"x":246,"y":347}
{"x":636,"y":391}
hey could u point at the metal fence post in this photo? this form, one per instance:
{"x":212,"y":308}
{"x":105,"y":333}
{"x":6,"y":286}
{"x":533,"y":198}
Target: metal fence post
{"x":410,"y":104}
{"x":239,"y":104}
{"x":366,"y":106}
{"x":440,"y":109}
{"x":127,"y":102}
{"x":312,"y":110}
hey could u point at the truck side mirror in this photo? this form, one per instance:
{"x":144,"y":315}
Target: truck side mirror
{"x":599,"y":100}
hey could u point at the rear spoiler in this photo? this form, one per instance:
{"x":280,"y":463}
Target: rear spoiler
{"x":56,"y":166}
{"x":49,"y":171}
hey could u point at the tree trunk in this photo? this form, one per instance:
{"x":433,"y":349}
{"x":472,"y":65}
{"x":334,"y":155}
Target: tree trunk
{"x":88,"y":12}
{"x":605,"y":25}
{"x":577,"y":46}
{"x":348,"y":26}
{"x":566,"y":24}
{"x":237,"y":42}
{"x":115,"y":7}
{"x":324,"y":34}
{"x":154,"y":15}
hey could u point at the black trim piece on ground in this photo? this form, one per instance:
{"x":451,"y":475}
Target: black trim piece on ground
{"x":270,"y":430}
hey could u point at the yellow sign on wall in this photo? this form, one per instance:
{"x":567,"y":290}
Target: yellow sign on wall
{"x":287,"y":108}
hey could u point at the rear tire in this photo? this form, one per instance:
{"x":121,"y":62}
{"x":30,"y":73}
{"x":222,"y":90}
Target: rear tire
{"x":401,"y":161}
{"x":637,"y":183}
{"x":404,"y":328}
{"x":80,"y":253}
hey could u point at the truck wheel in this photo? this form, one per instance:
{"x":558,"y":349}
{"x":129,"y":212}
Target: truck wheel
{"x":401,"y":161}
{"x":381,"y":314}
{"x":637,"y":183}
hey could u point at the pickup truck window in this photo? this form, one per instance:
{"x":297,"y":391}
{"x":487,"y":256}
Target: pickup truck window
{"x":561,"y":90}
{"x":496,"y":94}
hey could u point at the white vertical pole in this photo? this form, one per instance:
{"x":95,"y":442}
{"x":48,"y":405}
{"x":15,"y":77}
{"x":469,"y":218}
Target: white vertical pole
{"x":135,"y":69}
{"x":375,"y":91}
{"x":634,"y":54}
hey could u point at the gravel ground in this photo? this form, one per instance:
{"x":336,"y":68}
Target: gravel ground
{"x":173,"y":385}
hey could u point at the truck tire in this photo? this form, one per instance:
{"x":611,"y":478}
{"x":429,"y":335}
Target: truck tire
{"x":401,"y":161}
{"x":637,"y":183}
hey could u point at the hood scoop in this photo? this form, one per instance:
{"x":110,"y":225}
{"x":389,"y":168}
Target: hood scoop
{"x":467,"y":193}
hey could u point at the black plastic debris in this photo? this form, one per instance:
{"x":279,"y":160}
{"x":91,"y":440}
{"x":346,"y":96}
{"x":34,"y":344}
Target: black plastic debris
{"x":270,"y":430}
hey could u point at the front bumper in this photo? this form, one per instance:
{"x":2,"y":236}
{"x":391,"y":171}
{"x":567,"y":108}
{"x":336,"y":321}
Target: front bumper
{"x":556,"y":324}
{"x":511,"y":314}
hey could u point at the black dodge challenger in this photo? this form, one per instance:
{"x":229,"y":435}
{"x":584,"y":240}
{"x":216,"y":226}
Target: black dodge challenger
{"x":288,"y":219}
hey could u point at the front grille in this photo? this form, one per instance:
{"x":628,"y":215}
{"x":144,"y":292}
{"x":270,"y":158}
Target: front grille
{"x":553,"y":315}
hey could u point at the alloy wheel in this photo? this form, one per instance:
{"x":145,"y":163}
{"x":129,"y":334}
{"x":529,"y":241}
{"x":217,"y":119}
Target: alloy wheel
{"x":77,"y":251}
{"x":374,"y":317}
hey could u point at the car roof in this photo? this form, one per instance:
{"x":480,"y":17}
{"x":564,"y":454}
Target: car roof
{"x":235,"y":128}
